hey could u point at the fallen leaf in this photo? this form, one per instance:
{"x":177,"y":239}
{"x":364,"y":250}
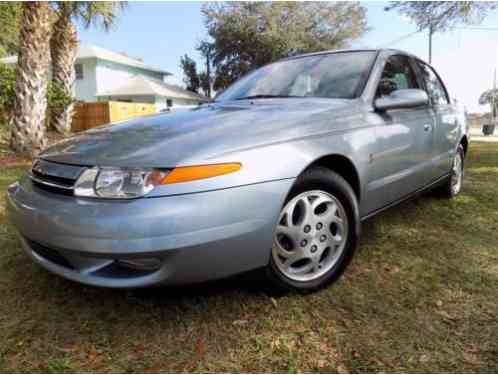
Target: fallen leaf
{"x":424,"y":358}
{"x":200,"y":348}
{"x":471,"y":358}
{"x":240,"y":322}
{"x":446,"y":315}
{"x":70,"y":349}
{"x":341,"y":369}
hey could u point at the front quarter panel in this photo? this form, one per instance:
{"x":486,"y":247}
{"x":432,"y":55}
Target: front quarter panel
{"x":349,"y":135}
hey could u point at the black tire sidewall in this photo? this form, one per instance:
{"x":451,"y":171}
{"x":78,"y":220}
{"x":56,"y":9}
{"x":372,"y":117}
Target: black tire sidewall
{"x":325,"y":180}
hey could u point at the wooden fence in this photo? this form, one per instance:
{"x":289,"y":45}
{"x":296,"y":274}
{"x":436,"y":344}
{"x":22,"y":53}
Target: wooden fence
{"x":90,"y":115}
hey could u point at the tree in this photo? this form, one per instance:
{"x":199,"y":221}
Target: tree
{"x":56,"y":97}
{"x":247,"y":35}
{"x":205,"y":83}
{"x":191,"y":78}
{"x":64,"y":47}
{"x":30,"y":103}
{"x":206,"y":80}
{"x":10,"y":13}
{"x":436,"y":16}
{"x":490,"y":97}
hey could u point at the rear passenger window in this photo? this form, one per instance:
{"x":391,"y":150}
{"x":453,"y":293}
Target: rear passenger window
{"x":398,"y":74}
{"x":435,"y":88}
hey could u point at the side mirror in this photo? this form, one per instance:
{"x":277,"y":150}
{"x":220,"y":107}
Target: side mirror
{"x":405,"y":98}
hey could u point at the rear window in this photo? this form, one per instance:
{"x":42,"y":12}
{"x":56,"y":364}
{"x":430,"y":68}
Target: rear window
{"x":435,"y":88}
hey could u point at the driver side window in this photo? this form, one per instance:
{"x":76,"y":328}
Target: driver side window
{"x":398,"y":74}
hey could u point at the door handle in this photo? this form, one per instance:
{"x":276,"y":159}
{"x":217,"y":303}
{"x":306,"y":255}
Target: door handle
{"x":427,"y":127}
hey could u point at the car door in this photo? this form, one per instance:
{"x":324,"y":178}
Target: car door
{"x":403,"y":138}
{"x":446,"y":126}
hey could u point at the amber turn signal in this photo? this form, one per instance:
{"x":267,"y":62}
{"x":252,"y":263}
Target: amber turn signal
{"x":198,"y":172}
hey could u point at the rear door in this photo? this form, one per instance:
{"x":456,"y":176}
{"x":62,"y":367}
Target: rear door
{"x":404,"y":138}
{"x":446,"y":126}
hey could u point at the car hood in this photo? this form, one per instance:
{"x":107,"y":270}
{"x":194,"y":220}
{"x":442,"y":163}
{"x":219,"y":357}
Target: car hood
{"x":171,"y":139}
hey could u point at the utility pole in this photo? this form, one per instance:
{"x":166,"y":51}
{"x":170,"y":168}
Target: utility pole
{"x":493,"y":100}
{"x":431,"y":31}
{"x":208,"y":70}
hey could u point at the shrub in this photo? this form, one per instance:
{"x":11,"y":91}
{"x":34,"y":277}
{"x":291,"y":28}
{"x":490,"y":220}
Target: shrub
{"x":7,"y":91}
{"x":57,"y":97}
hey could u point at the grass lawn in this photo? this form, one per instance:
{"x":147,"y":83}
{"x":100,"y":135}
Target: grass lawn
{"x":421,"y":295}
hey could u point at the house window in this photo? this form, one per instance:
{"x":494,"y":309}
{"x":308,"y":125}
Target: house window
{"x":78,"y":69}
{"x":169,"y":102}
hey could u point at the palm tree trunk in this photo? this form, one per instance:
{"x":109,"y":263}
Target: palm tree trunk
{"x":63,"y":49}
{"x":28,"y":125}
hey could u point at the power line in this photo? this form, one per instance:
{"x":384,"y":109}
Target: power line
{"x":481,"y":28}
{"x":397,"y":40}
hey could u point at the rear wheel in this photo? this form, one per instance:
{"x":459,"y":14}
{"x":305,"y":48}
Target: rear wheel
{"x":316,"y":232}
{"x":453,"y":185}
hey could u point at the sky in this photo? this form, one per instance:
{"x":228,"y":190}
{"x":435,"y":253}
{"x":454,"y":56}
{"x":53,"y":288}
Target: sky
{"x":161,"y":32}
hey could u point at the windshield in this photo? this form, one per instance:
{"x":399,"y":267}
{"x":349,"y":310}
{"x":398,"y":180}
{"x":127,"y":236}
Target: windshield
{"x":335,"y":75}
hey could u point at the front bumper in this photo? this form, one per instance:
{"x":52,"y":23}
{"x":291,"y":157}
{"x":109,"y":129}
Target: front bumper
{"x":192,"y":237}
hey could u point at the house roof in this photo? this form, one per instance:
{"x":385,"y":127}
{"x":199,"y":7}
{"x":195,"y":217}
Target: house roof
{"x":91,"y":51}
{"x":140,"y":85}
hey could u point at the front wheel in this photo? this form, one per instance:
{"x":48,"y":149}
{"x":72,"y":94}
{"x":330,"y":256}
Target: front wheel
{"x":316,"y":232}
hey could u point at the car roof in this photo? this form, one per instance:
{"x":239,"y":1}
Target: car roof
{"x":387,"y":51}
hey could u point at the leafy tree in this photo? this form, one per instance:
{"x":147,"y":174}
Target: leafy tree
{"x":64,"y":47}
{"x":30,"y":102}
{"x":191,"y":78}
{"x":436,"y":16}
{"x":442,"y":15}
{"x":10,"y":13}
{"x":247,"y":35}
{"x":490,"y":97}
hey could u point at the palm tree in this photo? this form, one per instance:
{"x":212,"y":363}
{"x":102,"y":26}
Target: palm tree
{"x":64,"y":47}
{"x":28,"y":128}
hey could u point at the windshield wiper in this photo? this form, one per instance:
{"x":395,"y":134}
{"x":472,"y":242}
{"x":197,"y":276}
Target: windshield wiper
{"x":265,"y":96}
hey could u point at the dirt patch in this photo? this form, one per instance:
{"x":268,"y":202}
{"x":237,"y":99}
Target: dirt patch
{"x":9,"y":159}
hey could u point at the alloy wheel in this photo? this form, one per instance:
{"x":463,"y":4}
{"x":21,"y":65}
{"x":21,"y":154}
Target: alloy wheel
{"x":310,"y":235}
{"x":457,"y":174}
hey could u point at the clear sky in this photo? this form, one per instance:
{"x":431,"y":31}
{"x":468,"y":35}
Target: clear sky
{"x":161,"y":32}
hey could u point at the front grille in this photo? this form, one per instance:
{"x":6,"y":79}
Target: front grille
{"x":55,"y":177}
{"x":62,"y":181}
{"x":49,"y":254}
{"x":53,"y":189}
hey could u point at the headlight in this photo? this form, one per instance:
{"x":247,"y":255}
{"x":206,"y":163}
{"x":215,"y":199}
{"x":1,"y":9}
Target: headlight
{"x":127,"y":183}
{"x":117,"y":182}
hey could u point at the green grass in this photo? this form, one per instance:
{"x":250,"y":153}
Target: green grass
{"x":421,"y":295}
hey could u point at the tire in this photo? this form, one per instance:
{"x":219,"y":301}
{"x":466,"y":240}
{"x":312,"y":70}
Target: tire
{"x":322,"y":233}
{"x":451,"y":188}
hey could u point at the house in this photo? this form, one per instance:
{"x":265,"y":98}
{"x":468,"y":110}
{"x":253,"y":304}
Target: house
{"x":103,"y":75}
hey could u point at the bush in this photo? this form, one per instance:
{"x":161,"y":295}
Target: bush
{"x":57,"y":97}
{"x":7,"y":91}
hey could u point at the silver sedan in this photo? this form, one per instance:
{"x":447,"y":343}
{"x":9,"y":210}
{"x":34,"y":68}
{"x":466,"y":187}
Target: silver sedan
{"x":275,"y":175}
